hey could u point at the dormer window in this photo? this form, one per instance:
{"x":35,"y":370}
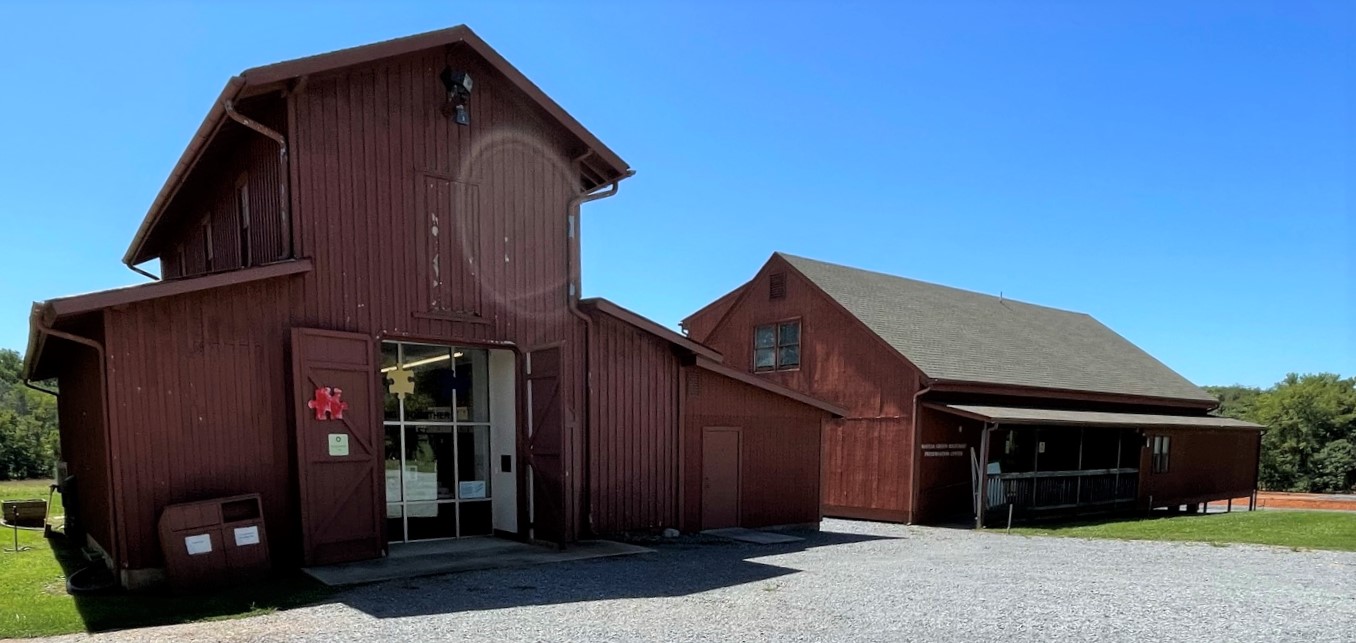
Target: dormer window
{"x":776,"y":347}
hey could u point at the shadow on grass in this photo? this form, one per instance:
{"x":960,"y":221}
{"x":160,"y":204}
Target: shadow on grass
{"x":120,"y":609}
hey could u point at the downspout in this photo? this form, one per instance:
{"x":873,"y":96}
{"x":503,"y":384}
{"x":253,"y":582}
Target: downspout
{"x":916,"y":457}
{"x":114,"y":540}
{"x":572,"y":257}
{"x":284,"y":172}
{"x":142,"y":272}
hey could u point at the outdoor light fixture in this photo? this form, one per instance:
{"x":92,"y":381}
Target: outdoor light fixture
{"x":458,"y":85}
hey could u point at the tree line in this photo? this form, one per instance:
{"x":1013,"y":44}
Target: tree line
{"x":28,"y":424}
{"x":1310,"y":443}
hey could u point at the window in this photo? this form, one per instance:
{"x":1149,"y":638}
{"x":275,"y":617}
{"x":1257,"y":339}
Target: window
{"x":242,"y":210}
{"x":1161,"y":445}
{"x":776,"y":285}
{"x":776,"y":347}
{"x":207,"y":243}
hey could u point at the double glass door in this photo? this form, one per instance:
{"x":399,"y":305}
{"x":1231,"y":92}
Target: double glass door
{"x":437,"y":441}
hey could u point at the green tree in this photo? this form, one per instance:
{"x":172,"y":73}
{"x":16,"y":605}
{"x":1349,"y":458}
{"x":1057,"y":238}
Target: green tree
{"x":28,"y":424}
{"x":1311,"y":427}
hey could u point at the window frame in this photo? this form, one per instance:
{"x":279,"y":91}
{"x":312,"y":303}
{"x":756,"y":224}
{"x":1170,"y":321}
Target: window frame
{"x":778,"y":345}
{"x":242,"y":213}
{"x":1160,"y":453}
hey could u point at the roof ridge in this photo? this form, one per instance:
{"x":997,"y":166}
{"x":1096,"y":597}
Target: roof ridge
{"x":1003,"y":299}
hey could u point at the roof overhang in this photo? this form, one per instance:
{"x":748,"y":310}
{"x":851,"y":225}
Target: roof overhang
{"x":277,"y":76}
{"x":1014,"y":390}
{"x":621,"y":314}
{"x":776,"y":389}
{"x":46,"y":314}
{"x":1013,"y":416}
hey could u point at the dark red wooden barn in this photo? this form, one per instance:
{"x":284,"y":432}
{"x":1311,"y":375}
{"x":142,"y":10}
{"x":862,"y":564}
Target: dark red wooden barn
{"x":369,"y":315}
{"x":961,"y":405}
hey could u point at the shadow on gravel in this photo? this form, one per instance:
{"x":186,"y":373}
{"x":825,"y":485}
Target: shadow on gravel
{"x":677,"y":568}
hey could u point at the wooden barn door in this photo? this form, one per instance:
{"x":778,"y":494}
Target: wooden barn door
{"x":339,"y":446}
{"x":546,"y":442}
{"x":720,"y":477}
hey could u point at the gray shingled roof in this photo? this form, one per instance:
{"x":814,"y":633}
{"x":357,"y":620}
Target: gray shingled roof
{"x":954,"y":334}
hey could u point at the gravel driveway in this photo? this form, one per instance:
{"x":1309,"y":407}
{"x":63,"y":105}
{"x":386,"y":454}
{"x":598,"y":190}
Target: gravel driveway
{"x":852,"y":581}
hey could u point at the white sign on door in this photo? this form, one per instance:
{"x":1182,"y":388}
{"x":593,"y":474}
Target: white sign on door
{"x":471,"y":489}
{"x":339,"y":444}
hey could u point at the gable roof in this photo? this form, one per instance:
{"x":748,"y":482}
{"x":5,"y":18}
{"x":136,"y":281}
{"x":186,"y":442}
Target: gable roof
{"x":258,"y":80}
{"x":963,"y":336}
{"x":703,"y":357}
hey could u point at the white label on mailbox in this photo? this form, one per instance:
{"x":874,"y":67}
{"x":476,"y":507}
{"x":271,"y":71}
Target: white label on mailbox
{"x":472,"y":489}
{"x":339,"y":444}
{"x":246,"y":536}
{"x":199,"y":544}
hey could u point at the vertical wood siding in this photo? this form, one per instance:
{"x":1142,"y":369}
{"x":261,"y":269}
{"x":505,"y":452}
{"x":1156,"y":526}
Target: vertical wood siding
{"x":1196,"y":471}
{"x":80,"y":409}
{"x":779,"y":450}
{"x":213,"y":195}
{"x":633,"y":444}
{"x":867,"y":456}
{"x":200,"y":397}
{"x":198,"y":393}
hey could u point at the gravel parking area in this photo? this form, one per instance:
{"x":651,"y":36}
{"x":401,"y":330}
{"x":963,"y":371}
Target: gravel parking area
{"x":853,"y":581}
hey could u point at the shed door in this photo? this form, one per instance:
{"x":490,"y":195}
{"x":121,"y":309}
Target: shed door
{"x":720,"y":477}
{"x":338,"y":440}
{"x":546,"y":435}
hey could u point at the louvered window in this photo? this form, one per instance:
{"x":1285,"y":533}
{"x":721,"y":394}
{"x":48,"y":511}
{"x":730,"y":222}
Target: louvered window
{"x":776,"y":285}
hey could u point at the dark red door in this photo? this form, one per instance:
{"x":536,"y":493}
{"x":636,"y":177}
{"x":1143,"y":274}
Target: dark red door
{"x":720,"y":477}
{"x":339,"y":446}
{"x":546,"y":442}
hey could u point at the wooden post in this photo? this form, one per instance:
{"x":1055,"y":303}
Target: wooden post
{"x":1229,"y":508}
{"x":983,"y":476}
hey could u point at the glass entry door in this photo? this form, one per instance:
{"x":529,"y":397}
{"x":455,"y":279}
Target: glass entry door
{"x":437,"y":426}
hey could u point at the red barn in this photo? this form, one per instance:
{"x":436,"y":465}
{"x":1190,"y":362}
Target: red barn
{"x":962,"y":404}
{"x":369,"y":314}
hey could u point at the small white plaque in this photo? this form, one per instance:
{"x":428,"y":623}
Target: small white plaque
{"x":246,"y":536}
{"x":198,"y":544}
{"x":339,"y":444}
{"x":471,"y":489}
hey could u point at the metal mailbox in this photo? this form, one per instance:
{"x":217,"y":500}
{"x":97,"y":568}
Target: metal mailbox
{"x":214,"y":542}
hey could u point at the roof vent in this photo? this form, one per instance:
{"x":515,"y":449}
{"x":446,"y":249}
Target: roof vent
{"x":776,"y":285}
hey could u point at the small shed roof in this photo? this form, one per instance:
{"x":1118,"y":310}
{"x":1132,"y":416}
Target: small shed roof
{"x":1055,"y":417}
{"x":963,"y":336}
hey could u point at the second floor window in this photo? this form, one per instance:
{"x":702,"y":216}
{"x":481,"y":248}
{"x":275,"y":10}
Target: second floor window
{"x":776,"y":347}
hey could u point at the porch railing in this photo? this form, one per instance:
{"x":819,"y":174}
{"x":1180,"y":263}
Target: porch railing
{"x":1062,"y":489}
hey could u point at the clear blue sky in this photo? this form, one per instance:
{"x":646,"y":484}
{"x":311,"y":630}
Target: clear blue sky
{"x":1184,"y":176}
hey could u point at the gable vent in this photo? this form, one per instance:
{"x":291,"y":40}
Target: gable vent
{"x":776,"y":285}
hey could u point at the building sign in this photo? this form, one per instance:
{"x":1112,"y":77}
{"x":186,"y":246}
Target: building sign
{"x":338,"y":444}
{"x":943,"y":450}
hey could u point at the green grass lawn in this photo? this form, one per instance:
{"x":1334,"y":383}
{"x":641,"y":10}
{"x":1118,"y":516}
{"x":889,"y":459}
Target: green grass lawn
{"x":1294,"y":529}
{"x":34,"y":602}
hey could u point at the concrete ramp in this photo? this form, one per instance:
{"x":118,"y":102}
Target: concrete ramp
{"x":463,"y":555}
